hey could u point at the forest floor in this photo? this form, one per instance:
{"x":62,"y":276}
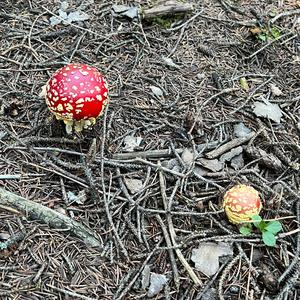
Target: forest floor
{"x":199,"y":102}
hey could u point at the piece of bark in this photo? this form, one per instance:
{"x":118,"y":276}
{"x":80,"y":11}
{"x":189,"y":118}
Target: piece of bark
{"x":167,"y":8}
{"x":229,"y":145}
{"x":268,"y":160}
{"x":49,"y":216}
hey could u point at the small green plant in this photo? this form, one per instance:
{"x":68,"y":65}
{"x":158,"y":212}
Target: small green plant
{"x":268,"y":229}
{"x":167,"y":21}
{"x":265,"y":34}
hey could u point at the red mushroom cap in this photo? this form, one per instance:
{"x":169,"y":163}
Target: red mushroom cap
{"x":75,"y":93}
{"x":241,"y":202}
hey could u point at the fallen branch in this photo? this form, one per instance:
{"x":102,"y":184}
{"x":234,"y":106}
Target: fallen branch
{"x":147,"y":154}
{"x":49,"y":216}
{"x":167,"y":8}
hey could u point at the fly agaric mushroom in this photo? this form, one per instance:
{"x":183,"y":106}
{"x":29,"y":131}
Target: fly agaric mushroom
{"x":240,"y":203}
{"x":76,"y":94}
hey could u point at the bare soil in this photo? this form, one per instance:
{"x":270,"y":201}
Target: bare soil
{"x":179,"y":203}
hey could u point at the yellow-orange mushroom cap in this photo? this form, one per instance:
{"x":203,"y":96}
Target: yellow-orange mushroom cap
{"x":241,"y":202}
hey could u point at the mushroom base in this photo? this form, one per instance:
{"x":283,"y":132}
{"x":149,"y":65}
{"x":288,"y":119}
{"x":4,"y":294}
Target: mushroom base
{"x":77,"y":125}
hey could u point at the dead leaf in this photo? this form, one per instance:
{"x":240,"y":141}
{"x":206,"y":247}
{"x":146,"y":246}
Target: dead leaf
{"x":130,"y":12}
{"x":255,"y":30}
{"x":240,"y":130}
{"x":170,"y":63}
{"x":237,"y":162}
{"x":206,"y":256}
{"x":276,"y":91}
{"x":131,"y":143}
{"x":157,"y":282}
{"x":75,"y":16}
{"x":200,"y":171}
{"x":4,"y":236}
{"x":172,"y":164}
{"x":268,"y":110}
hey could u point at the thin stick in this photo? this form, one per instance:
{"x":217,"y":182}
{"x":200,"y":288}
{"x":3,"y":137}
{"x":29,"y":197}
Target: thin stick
{"x":167,"y":207}
{"x":170,"y":251}
{"x":146,"y":154}
{"x":69,"y":293}
{"x":249,"y":274}
{"x":285,"y":14}
{"x":267,"y":45}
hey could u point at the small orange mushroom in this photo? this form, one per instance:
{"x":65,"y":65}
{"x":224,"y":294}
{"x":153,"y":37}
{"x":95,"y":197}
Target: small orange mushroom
{"x":241,"y":202}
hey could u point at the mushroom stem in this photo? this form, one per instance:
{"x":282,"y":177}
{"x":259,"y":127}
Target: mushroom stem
{"x":69,"y":126}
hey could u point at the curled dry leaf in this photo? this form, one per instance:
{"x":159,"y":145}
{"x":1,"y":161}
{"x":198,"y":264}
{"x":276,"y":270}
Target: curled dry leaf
{"x":228,"y":156}
{"x":268,"y":160}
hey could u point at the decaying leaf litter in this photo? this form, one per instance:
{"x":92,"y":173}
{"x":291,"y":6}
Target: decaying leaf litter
{"x":181,"y":124}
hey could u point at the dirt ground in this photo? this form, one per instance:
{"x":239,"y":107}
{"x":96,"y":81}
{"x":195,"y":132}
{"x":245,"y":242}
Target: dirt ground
{"x":178,"y":86}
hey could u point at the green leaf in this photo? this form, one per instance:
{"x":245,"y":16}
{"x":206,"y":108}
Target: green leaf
{"x":274,"y":227}
{"x":262,"y":226}
{"x":275,"y":32}
{"x":269,"y":238}
{"x":245,"y":230}
{"x":262,"y":37}
{"x":256,"y":219}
